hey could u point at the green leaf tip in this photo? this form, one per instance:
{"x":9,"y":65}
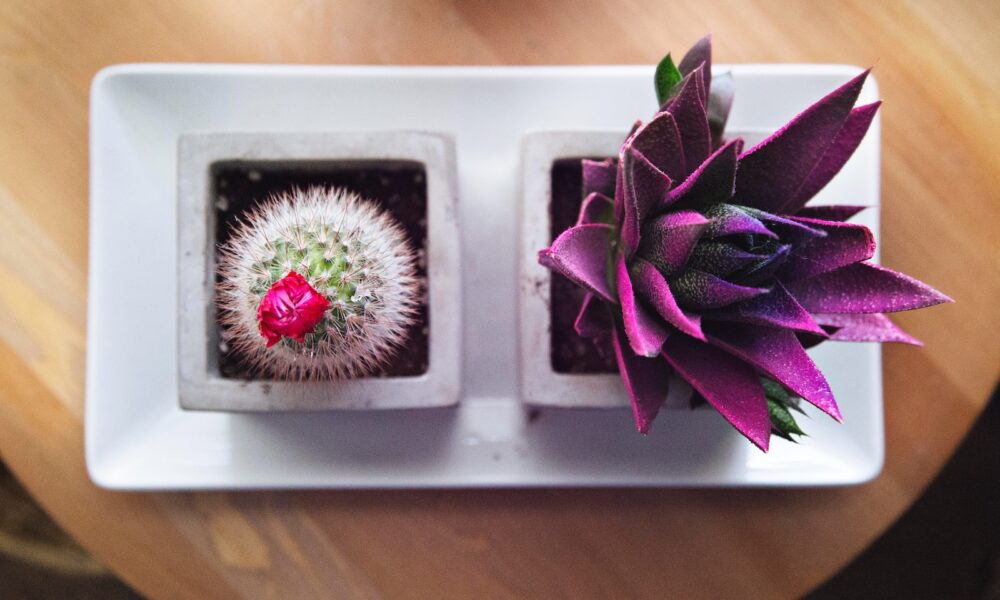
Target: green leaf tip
{"x":780,"y":403}
{"x":666,"y":79}
{"x":782,"y":421}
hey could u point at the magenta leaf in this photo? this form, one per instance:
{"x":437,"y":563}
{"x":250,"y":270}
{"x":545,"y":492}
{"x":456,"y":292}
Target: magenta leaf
{"x":667,"y":240}
{"x":581,"y":254}
{"x":836,"y":155}
{"x":645,"y":333}
{"x":660,"y":142}
{"x":645,"y":186}
{"x":776,"y":308}
{"x":596,"y":208}
{"x":647,"y":382}
{"x":863,"y":288}
{"x":779,"y":354}
{"x":844,"y":244}
{"x":712,"y":182}
{"x":653,"y":288}
{"x":873,"y":327}
{"x":772,"y":172}
{"x":697,"y":290}
{"x":599,"y":176}
{"x":728,"y":384}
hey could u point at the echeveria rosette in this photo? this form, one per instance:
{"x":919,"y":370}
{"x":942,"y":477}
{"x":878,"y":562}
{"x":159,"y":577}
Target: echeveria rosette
{"x":703,"y":261}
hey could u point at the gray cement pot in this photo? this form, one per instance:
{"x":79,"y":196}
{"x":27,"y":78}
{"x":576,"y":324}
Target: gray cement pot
{"x":540,"y":383}
{"x":201,"y":385}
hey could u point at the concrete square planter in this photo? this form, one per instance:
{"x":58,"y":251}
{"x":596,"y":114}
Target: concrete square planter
{"x":205,"y":382}
{"x":541,"y":383}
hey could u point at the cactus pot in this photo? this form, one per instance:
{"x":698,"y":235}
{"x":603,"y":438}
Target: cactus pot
{"x":558,"y":367}
{"x":410,"y":175}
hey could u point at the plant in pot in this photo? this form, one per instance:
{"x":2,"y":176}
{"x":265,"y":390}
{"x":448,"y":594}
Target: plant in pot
{"x":317,"y":284}
{"x":315,"y":270}
{"x":701,"y":268}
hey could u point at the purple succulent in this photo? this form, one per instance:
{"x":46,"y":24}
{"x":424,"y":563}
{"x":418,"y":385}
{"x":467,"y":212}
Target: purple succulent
{"x":702,"y":261}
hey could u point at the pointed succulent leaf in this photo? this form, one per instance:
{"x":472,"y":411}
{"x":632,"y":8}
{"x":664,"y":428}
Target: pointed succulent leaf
{"x":779,"y":354}
{"x":776,"y":391}
{"x":865,"y":328}
{"x":667,"y":240}
{"x":728,"y":384}
{"x":836,"y":155}
{"x":700,"y":55}
{"x":688,"y":108}
{"x":729,"y":219}
{"x":863,"y":288}
{"x":697,"y":290}
{"x":776,"y":308}
{"x":599,"y":176}
{"x":645,"y":186}
{"x":644,"y":331}
{"x":581,"y":254}
{"x":721,"y":258}
{"x":597,"y":208}
{"x":772,"y":172}
{"x":646,"y":380}
{"x":844,"y":244}
{"x":665,"y":79}
{"x":712,"y":182}
{"x":660,"y":142}
{"x":621,"y":165}
{"x":782,"y":421}
{"x":653,"y":288}
{"x":788,"y":229}
{"x":779,"y":393}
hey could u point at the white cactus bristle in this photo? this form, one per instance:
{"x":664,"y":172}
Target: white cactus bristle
{"x":383,"y":298}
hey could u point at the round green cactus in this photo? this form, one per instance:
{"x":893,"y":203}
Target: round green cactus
{"x":347,"y":255}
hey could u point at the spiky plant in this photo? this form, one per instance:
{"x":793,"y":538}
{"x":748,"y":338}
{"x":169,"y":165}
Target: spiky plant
{"x":702,"y":260}
{"x":317,"y":284}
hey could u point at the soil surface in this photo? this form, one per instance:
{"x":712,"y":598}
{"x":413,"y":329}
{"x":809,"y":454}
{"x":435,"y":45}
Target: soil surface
{"x":399,"y":187}
{"x":570,"y":352}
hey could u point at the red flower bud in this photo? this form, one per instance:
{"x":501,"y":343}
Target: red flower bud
{"x":291,"y":308}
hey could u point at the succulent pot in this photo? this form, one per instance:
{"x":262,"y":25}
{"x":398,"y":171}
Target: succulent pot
{"x":558,"y":367}
{"x":410,"y":176}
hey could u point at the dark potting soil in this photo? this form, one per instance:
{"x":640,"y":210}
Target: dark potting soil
{"x":570,"y":352}
{"x":399,"y":187}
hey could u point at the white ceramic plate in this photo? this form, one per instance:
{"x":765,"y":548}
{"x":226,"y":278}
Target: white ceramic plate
{"x":138,"y":438}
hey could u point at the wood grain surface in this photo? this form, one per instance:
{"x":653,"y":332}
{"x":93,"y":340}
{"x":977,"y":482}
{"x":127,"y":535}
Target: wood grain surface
{"x":938,"y":65}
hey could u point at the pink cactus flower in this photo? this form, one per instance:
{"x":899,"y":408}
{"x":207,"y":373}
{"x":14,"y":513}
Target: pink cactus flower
{"x":291,"y":308}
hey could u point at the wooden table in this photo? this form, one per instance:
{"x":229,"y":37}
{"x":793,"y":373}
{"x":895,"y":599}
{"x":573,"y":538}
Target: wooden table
{"x":938,"y":65}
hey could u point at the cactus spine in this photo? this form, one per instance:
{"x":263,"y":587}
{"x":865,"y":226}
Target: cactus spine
{"x":350,"y":251}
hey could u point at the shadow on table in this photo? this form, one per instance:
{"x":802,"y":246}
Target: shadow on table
{"x":39,"y":561}
{"x":948,"y":544}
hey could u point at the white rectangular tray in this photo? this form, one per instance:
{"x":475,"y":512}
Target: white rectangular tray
{"x":138,"y":438}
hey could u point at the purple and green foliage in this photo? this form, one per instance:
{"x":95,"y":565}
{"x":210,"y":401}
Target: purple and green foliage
{"x":703,"y":261}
